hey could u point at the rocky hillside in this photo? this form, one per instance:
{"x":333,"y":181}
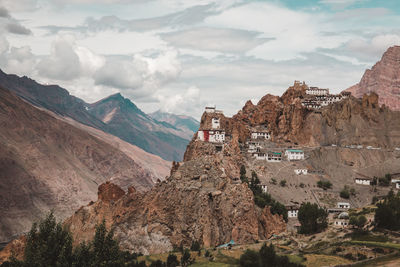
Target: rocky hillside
{"x":45,"y":163}
{"x":383,"y":78}
{"x":341,"y":141}
{"x":115,"y":115}
{"x":198,"y":202}
{"x":204,"y":200}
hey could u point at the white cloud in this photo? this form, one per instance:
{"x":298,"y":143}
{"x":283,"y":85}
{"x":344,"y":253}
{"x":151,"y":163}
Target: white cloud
{"x":20,"y":61}
{"x":341,"y":3}
{"x":187,"y":102}
{"x":367,"y":49}
{"x":19,"y":5}
{"x":4,"y":45}
{"x":119,"y":74}
{"x":215,"y":39}
{"x":63,"y":62}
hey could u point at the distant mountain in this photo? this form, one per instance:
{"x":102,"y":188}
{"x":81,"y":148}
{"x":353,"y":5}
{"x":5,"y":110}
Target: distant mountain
{"x":187,"y":124}
{"x":46,"y":163}
{"x":383,"y":79}
{"x":114,"y":114}
{"x":125,"y":120}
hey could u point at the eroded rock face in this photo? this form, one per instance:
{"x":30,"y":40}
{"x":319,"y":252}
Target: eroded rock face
{"x":383,"y":79}
{"x":108,"y":192}
{"x":198,"y":202}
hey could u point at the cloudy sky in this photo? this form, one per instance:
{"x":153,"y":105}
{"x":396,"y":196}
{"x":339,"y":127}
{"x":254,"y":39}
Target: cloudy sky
{"x":180,"y":55}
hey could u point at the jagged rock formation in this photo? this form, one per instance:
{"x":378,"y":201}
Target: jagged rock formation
{"x":45,"y":163}
{"x":115,"y":115}
{"x":198,"y":202}
{"x":383,"y":78}
{"x":350,"y":121}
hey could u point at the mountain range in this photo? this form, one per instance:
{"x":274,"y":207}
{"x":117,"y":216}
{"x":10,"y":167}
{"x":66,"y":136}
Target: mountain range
{"x":115,"y":115}
{"x":48,"y":162}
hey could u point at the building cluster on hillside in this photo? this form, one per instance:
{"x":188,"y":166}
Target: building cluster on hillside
{"x":317,"y":98}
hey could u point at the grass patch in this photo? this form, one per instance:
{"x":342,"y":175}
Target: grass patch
{"x":368,"y":237}
{"x":299,"y":259}
{"x":376,"y":244}
{"x":315,"y":260}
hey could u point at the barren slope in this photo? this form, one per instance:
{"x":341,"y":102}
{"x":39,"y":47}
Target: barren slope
{"x":46,"y":163}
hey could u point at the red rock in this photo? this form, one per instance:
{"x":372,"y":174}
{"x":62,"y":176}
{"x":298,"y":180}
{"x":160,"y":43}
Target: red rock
{"x":383,"y":79}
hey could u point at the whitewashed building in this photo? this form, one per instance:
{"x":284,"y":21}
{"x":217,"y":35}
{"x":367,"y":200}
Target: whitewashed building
{"x":215,"y":123}
{"x":261,"y":135}
{"x":363,"y":181}
{"x":213,"y":110}
{"x":317,"y":91}
{"x":274,"y":156}
{"x":212,"y":136}
{"x":342,"y":221}
{"x":343,"y":205}
{"x":259,"y":155}
{"x":253,"y":147}
{"x":294,"y":154}
{"x":264,"y":188}
{"x":301,"y":171}
{"x":292,"y":211}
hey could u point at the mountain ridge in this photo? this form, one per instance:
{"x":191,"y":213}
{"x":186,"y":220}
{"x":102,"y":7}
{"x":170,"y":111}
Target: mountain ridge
{"x":156,"y":137}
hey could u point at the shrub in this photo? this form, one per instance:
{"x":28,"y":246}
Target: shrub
{"x":186,"y":259}
{"x":195,"y":246}
{"x":345,"y":193}
{"x":265,"y":257}
{"x":243,"y":177}
{"x":273,"y":181}
{"x":283,"y":183}
{"x":324,"y":184}
{"x":358,"y":221}
{"x":262,"y":199}
{"x":249,"y":258}
{"x":302,"y":185}
{"x":172,"y":260}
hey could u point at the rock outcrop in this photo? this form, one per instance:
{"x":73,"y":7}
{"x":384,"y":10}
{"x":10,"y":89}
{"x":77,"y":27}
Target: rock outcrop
{"x":383,"y":78}
{"x":197,"y":203}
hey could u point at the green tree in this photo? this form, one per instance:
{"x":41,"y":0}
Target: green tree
{"x":172,"y":260}
{"x":249,"y":258}
{"x":157,"y":263}
{"x":186,"y":259}
{"x":267,"y":255}
{"x":48,"y":244}
{"x":195,"y":246}
{"x":105,"y":248}
{"x":312,"y":218}
{"x":243,"y":176}
{"x":358,"y":221}
{"x":387,"y":215}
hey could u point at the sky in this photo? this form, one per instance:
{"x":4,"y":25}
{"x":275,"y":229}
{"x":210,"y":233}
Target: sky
{"x":182,"y":55}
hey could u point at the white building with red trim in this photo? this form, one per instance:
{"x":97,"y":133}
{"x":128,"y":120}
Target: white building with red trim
{"x":212,"y":136}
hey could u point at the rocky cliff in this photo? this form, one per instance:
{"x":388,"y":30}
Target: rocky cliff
{"x":45,"y":163}
{"x":383,"y":78}
{"x":198,"y":202}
